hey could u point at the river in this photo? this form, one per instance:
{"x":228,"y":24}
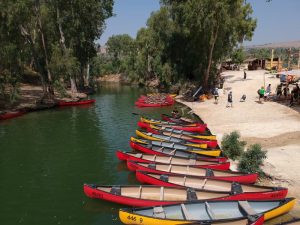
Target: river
{"x":47,"y":156}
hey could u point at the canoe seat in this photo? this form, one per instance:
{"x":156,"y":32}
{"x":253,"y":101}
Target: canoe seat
{"x":247,"y":208}
{"x":184,"y":180}
{"x":149,"y":146}
{"x":185,"y":212}
{"x":192,"y":162}
{"x":173,"y":152}
{"x":209,"y":211}
{"x":159,"y":212}
{"x":140,"y":192}
{"x":161,"y":193}
{"x":191,"y":195}
{"x":138,"y":155}
{"x":154,"y":157}
{"x":152,"y":166}
{"x":164,"y":177}
{"x":209,"y":173}
{"x":236,"y":188}
{"x":115,"y":190}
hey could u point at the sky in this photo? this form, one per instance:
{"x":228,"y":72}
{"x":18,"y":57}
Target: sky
{"x":277,"y":21}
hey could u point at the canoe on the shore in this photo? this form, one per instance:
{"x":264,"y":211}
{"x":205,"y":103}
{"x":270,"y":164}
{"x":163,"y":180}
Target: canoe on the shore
{"x":192,"y":171}
{"x":197,"y":128}
{"x":148,"y":148}
{"x":139,"y":157}
{"x":167,"y":148}
{"x":11,"y":114}
{"x":166,"y":123}
{"x":180,"y":120}
{"x":205,"y":212}
{"x":253,"y":192}
{"x":146,"y":101}
{"x":150,"y":195}
{"x":156,"y":129}
{"x":177,"y":138}
{"x":81,"y":102}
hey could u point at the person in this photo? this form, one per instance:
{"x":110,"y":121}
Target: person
{"x":294,"y":95}
{"x":279,"y":91}
{"x":286,"y":91}
{"x":229,"y":99}
{"x":175,"y":114}
{"x":261,"y":93}
{"x":268,"y":91}
{"x":216,"y":94}
{"x":245,"y":75}
{"x":243,"y":98}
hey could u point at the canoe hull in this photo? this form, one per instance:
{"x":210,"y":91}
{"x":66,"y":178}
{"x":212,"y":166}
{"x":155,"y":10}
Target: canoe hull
{"x":243,"y":179}
{"x":220,"y":166}
{"x":83,"y":102}
{"x":266,"y":195}
{"x":10,"y":115}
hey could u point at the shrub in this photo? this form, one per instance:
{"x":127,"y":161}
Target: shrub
{"x":252,"y":159}
{"x":232,"y":146}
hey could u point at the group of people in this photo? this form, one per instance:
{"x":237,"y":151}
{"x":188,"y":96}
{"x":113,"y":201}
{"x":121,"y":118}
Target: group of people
{"x":264,"y":93}
{"x":285,"y":91}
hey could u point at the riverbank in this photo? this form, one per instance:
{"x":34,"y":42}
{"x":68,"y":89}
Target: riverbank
{"x":273,"y":125}
{"x":30,"y":100}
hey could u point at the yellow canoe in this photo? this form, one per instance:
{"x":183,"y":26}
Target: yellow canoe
{"x":205,"y":210}
{"x":213,"y":153}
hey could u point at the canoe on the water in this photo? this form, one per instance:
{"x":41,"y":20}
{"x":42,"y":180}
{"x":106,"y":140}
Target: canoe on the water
{"x":169,"y":118}
{"x":148,"y":148}
{"x":176,"y":138}
{"x":150,"y":195}
{"x":192,"y":171}
{"x":168,"y":148}
{"x":146,"y":102}
{"x":10,"y":115}
{"x":166,"y":123}
{"x":250,"y":192}
{"x":139,"y":157}
{"x":82,"y":102}
{"x":205,"y":212}
{"x":196,"y":128}
{"x":157,"y":129}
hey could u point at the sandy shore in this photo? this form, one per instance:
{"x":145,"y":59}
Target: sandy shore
{"x":274,"y":125}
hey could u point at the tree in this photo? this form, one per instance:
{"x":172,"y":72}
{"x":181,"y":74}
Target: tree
{"x":252,"y":159}
{"x":209,"y":30}
{"x":238,"y":55}
{"x":232,"y":146}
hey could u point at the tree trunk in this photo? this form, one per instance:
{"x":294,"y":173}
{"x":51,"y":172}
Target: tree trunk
{"x":64,"y":48}
{"x":214,"y":36}
{"x":40,"y":27}
{"x":28,"y":37}
{"x":87,"y":77}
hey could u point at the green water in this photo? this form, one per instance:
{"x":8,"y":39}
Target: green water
{"x":47,"y":156}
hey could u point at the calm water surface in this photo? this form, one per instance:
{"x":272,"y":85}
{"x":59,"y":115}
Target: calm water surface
{"x":47,"y":156}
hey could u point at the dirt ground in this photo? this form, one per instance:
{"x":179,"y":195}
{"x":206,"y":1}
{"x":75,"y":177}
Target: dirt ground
{"x":272,"y":124}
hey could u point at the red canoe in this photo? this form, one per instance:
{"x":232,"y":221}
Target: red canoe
{"x":82,"y":102}
{"x":192,"y":171}
{"x":149,"y":195}
{"x":139,"y":157}
{"x":200,"y":128}
{"x":246,"y":191}
{"x":12,"y":114}
{"x":153,"y":150}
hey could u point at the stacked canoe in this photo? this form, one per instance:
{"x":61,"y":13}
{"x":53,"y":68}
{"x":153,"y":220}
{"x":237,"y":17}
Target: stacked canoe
{"x":186,"y":180}
{"x":155,"y":100}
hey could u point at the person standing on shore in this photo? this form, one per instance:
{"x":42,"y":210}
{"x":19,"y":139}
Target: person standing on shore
{"x":229,"y":100}
{"x":261,"y":93}
{"x":216,"y":94}
{"x":245,"y":75}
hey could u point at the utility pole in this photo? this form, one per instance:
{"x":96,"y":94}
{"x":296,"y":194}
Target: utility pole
{"x":272,"y":56}
{"x":299,"y":59}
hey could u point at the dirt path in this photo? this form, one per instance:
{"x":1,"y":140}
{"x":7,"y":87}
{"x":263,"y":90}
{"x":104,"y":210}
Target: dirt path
{"x":274,"y":125}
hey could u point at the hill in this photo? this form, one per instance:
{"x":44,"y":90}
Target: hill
{"x":289,"y":44}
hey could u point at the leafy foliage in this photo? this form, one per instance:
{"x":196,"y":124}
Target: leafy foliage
{"x":232,"y":146}
{"x":252,"y":159}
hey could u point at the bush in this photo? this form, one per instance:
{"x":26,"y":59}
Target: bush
{"x":232,"y":146}
{"x":252,"y":159}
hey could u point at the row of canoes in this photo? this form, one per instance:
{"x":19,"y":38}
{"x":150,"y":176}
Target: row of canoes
{"x":13,"y":114}
{"x":188,"y":181}
{"x":155,"y":100}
